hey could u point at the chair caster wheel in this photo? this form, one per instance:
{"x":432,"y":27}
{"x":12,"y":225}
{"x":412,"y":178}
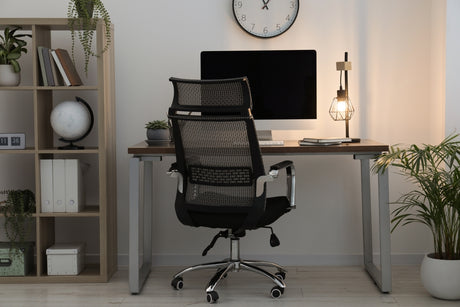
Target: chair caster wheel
{"x":212,"y":297}
{"x":281,"y":275}
{"x":177,"y":283}
{"x":276,"y":292}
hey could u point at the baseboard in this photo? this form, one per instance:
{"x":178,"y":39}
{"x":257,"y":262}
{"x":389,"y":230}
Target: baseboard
{"x":285,"y":260}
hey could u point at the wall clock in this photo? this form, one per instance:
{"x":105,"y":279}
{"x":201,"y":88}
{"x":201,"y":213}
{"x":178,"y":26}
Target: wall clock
{"x":265,"y":18}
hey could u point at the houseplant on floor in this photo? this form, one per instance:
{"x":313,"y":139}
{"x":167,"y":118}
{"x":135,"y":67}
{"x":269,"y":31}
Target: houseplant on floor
{"x":11,"y":48}
{"x":83,"y":16}
{"x":158,"y":130}
{"x":435,"y":202}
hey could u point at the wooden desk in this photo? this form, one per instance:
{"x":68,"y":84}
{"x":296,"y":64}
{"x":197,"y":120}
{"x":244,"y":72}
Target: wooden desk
{"x":142,"y":163}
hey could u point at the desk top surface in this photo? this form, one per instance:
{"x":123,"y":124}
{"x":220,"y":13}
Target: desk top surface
{"x":289,"y":147}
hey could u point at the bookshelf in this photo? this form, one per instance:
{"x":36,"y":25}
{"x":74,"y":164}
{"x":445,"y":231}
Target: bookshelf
{"x":37,"y":102}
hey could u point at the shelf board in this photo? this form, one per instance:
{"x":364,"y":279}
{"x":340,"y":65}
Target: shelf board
{"x":88,"y":211}
{"x":87,"y":150}
{"x":68,"y":88}
{"x":28,"y":150}
{"x":90,"y":273}
{"x":17,"y":88}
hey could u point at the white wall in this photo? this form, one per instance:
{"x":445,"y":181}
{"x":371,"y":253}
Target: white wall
{"x":397,"y":86}
{"x":452,"y":67}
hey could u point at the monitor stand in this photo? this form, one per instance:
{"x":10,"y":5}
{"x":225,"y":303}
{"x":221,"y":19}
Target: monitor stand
{"x":264,"y":135}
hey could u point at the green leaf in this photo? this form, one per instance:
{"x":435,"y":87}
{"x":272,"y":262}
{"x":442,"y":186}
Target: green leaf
{"x":16,"y":66}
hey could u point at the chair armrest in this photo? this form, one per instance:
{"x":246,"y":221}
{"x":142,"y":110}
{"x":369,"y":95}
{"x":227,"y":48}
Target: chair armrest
{"x":174,"y":173}
{"x":282,"y":164}
{"x":273,"y":173}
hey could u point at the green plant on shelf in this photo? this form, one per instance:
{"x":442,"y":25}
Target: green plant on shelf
{"x":83,"y":16}
{"x":12,"y":46}
{"x":17,"y":209}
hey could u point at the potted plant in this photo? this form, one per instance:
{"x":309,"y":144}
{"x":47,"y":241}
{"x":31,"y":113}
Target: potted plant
{"x":11,"y":48}
{"x":158,"y":130}
{"x":83,"y":15}
{"x":435,"y":202}
{"x":17,"y":210}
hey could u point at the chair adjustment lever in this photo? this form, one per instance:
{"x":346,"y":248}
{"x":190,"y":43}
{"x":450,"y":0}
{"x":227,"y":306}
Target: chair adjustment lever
{"x":274,"y":241}
{"x":221,"y":234}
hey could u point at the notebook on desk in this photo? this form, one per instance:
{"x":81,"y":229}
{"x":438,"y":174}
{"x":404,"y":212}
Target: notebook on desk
{"x":327,"y":140}
{"x":323,"y":141}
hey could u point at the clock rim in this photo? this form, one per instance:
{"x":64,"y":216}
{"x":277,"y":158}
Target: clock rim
{"x":260,"y":36}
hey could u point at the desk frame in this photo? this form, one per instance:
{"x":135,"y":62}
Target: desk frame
{"x":142,"y":192}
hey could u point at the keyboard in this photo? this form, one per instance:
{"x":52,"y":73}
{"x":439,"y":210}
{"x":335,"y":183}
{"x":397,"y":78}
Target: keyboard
{"x":270,"y":142}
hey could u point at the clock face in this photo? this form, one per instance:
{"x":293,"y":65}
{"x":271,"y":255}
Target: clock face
{"x":265,"y":18}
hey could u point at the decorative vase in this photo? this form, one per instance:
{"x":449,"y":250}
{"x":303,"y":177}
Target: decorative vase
{"x":158,"y":134}
{"x":441,"y":278}
{"x":8,"y":77}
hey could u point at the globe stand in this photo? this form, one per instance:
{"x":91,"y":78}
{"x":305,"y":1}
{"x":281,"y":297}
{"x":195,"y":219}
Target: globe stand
{"x":71,"y":145}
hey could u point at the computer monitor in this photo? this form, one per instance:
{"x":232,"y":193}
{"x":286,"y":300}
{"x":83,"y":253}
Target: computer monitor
{"x":283,"y":82}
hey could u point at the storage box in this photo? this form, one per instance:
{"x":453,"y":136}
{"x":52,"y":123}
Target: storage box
{"x":65,"y":259}
{"x":17,"y":261}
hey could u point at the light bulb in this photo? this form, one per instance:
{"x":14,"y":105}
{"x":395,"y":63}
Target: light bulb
{"x":341,"y":108}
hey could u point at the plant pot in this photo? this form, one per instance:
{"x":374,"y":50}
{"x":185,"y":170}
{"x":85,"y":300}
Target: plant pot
{"x":441,"y":278}
{"x":8,"y":77}
{"x":158,"y":134}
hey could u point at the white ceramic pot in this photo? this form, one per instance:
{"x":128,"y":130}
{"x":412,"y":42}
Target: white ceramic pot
{"x":441,"y":278}
{"x":8,"y":77}
{"x":158,"y":134}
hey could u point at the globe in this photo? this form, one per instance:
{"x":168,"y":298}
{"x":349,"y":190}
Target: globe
{"x":72,"y":120}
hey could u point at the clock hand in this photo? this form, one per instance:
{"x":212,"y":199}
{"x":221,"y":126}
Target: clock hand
{"x":265,"y":4}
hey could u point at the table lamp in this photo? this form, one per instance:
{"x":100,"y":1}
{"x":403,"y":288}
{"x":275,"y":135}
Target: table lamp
{"x":341,"y":107}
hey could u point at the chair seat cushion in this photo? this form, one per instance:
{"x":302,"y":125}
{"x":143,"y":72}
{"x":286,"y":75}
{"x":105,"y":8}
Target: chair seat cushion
{"x":274,"y":209}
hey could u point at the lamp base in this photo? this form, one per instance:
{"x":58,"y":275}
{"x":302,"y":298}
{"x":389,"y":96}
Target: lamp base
{"x":355,"y":140}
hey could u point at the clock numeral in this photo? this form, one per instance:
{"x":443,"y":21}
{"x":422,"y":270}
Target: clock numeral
{"x":243,"y":17}
{"x":239,"y":4}
{"x":288,"y":17}
{"x":292,"y":4}
{"x":253,"y":26}
{"x":278,"y":27}
{"x":265,"y":30}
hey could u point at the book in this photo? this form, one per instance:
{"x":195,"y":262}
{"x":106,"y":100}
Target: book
{"x":46,"y":185}
{"x":58,"y":185}
{"x":74,"y":197}
{"x":66,"y":67}
{"x":56,"y":74}
{"x":47,"y":64}
{"x":60,"y":68}
{"x":42,"y":66}
{"x":327,"y":140}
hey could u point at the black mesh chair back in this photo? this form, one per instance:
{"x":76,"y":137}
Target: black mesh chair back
{"x":217,"y":153}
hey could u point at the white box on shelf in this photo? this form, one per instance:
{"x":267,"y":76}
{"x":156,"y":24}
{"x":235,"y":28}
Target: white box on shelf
{"x":65,"y":258}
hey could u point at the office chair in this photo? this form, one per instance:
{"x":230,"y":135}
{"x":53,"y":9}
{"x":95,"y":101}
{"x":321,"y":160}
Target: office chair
{"x":221,"y":176}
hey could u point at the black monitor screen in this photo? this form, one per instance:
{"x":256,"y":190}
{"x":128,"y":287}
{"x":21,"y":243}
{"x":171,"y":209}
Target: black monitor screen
{"x":283,"y":82}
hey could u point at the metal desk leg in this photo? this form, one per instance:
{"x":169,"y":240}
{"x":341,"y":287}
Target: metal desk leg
{"x":382,"y":276}
{"x":140,"y":183}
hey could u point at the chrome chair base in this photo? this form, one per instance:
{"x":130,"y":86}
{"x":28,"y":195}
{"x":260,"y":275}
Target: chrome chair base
{"x":235,"y":264}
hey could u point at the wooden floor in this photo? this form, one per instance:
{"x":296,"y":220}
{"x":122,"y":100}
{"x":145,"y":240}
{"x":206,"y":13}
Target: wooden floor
{"x":306,"y":286}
